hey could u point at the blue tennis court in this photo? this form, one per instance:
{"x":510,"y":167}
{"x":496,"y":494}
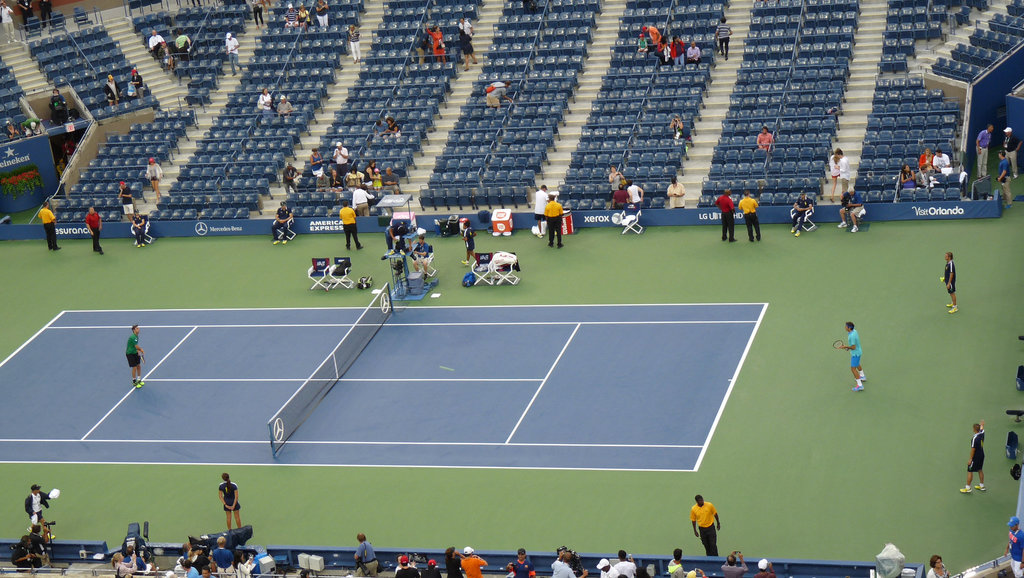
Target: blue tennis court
{"x":630,"y":387}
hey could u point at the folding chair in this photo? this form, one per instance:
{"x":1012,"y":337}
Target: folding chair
{"x":288,"y":233}
{"x":808,"y":224}
{"x":147,"y":239}
{"x":318,"y":273}
{"x":337,"y":273}
{"x":503,"y":267}
{"x":428,"y":265}
{"x":629,"y":218}
{"x":481,"y":269}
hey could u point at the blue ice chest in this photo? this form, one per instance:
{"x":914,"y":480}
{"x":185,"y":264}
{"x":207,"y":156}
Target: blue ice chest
{"x":415,"y":280}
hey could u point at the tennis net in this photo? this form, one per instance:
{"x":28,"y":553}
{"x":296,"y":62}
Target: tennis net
{"x":305,"y":399}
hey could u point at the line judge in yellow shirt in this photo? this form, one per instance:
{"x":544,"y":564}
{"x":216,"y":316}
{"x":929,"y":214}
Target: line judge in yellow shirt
{"x":348,"y":223}
{"x":49,"y":226}
{"x":749,"y":205}
{"x":705,"y":516}
{"x":553,"y":213}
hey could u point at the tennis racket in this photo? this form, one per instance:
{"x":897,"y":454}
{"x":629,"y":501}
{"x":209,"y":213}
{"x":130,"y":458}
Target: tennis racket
{"x":142,"y":357}
{"x":837,"y":344}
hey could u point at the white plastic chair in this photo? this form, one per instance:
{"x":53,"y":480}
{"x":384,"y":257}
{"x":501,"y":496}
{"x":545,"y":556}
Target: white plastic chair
{"x":318,"y":273}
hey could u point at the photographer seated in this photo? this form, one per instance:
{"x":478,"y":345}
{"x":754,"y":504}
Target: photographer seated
{"x":22,"y":555}
{"x":422,"y":256}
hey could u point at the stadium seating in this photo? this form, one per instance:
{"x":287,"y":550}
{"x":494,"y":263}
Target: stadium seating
{"x":986,"y":46}
{"x":629,"y":121}
{"x":83,"y":59}
{"x":792,"y":80}
{"x":10,"y":93}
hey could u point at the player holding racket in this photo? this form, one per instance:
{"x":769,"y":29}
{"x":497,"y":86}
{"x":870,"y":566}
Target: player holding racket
{"x":853,"y":346}
{"x":949,"y":278}
{"x":134,"y":354}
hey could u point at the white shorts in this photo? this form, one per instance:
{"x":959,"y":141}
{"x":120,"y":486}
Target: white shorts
{"x":859,"y":212}
{"x":1017,"y":571}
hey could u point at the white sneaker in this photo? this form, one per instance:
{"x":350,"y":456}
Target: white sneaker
{"x":854,"y":229}
{"x":842,"y":225}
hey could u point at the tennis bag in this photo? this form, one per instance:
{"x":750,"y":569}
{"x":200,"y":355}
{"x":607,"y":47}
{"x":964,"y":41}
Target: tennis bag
{"x":364,"y":282}
{"x":468,"y":280}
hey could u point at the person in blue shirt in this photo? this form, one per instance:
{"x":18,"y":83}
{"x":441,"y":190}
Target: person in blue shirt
{"x":522,"y":567}
{"x":222,"y":557}
{"x":421,"y":252}
{"x":801,"y":208}
{"x":1003,"y":176}
{"x":279,"y":230}
{"x":853,"y":346}
{"x":1015,"y":547}
{"x":467,"y":235}
{"x":854,"y":207}
{"x":366,"y":558}
{"x":976,"y":462}
{"x":190,"y":572}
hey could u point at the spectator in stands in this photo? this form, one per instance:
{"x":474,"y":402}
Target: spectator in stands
{"x":626,"y":567}
{"x":405,"y":570}
{"x":12,"y":131}
{"x":111,"y":90}
{"x":264,"y":103}
{"x":675,"y":567}
{"x":1012,"y":145}
{"x":186,"y":565}
{"x":606,"y":569}
{"x":693,"y":53}
{"x":676,"y":195}
{"x":833,"y":171}
{"x":636,"y":194}
{"x":231,"y":47}
{"x":438,"y":44}
{"x":284,"y":107}
{"x":182,"y":44}
{"x":940,"y":160}
{"x":288,"y":178}
{"x":983,"y":141}
{"x":322,"y":13}
{"x":337,"y":181}
{"x":136,"y":560}
{"x":1003,"y":178}
{"x":453,"y":559}
{"x":26,"y":11}
{"x":361,"y":200}
{"x":664,"y":53}
{"x":354,"y":48}
{"x":497,"y":91}
{"x":431,"y":571}
{"x":560,"y":568}
{"x":466,"y":41}
{"x":765,"y":569}
{"x":529,"y":6}
{"x":472,"y":564}
{"x":45,"y":9}
{"x":424,"y":43}
{"x":7,"y":21}
{"x":679,"y":129}
{"x":730,"y":569}
{"x":907,"y":178}
{"x":154,"y":173}
{"x":653,"y":34}
{"x":749,"y":206}
{"x":32,"y":127}
{"x":371,"y":166}
{"x":316,"y":163}
{"x":391,"y":129}
{"x":389,"y":180}
{"x":291,"y":17}
{"x":49,"y":221}
{"x":844,"y":171}
{"x":801,"y":208}
{"x":620,"y":198}
{"x":521,"y":567}
{"x":1015,"y":546}
{"x":553,"y":213}
{"x":69,"y":147}
{"x":765,"y":139}
{"x":280,"y":227}
{"x":854,"y":208}
{"x":58,"y":108}
{"x":157,"y":45}
{"x":122,"y":568}
{"x":242,"y":568}
{"x":615,"y":178}
{"x":678,"y":51}
{"x":353,"y":180}
{"x":257,"y":11}
{"x":223,"y":557}
{"x":722,"y":34}
{"x":304,"y":19}
{"x":641,"y":44}
{"x":376,"y":181}
{"x":936,"y":569}
{"x":924,"y":163}
{"x":340,"y":158}
{"x":366,"y":558}
{"x":136,"y":82}
{"x":124,"y":194}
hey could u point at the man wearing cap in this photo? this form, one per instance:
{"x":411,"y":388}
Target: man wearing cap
{"x":366,"y":558}
{"x":522,"y":567}
{"x":431,"y":570}
{"x":405,"y":570}
{"x":606,"y":569}
{"x":340,"y":158}
{"x":983,"y":141}
{"x":471,"y":563}
{"x":706,"y":524}
{"x":1012,"y":145}
{"x":279,"y":229}
{"x":288,"y":177}
{"x":231,"y":45}
{"x":124,"y":194}
{"x":766,"y":569}
{"x":34,"y":504}
{"x":284,"y":108}
{"x":136,"y":81}
{"x":1015,"y":547}
{"x":49,"y":226}
{"x":730,"y":569}
{"x":560,"y":568}
{"x":154,"y":173}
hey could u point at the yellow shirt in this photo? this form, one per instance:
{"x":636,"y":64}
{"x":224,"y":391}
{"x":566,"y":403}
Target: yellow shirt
{"x":46,"y":216}
{"x":703,"y":515}
{"x":347,"y":215}
{"x":748,"y":205}
{"x":553,"y":209}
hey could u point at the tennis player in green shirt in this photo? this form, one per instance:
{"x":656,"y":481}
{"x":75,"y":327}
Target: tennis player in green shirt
{"x":134,"y":354}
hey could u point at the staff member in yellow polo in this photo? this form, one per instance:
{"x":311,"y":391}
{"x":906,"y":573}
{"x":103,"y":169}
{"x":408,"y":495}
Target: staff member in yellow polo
{"x":749,"y":205}
{"x":348,"y":223}
{"x":49,"y":226}
{"x":553,"y":213}
{"x":706,"y":524}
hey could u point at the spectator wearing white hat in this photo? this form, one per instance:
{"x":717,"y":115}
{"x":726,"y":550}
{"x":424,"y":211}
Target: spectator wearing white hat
{"x":340,"y":158}
{"x":284,"y":108}
{"x":606,"y":569}
{"x":472,"y":564}
{"x":766,"y":569}
{"x":231,"y":45}
{"x":1011,"y":145}
{"x":291,"y":17}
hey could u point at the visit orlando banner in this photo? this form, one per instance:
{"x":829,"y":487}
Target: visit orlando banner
{"x":27,"y":173}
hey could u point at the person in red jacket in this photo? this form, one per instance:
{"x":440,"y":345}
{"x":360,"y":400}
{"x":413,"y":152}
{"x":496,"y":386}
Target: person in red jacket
{"x":95,"y":224}
{"x":728,"y":209}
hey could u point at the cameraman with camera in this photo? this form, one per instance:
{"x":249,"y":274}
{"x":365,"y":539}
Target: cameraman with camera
{"x":22,"y":555}
{"x":563,"y":566}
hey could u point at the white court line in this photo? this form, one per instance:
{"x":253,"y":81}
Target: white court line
{"x":541,"y":386}
{"x":524,"y":306}
{"x":732,"y":383}
{"x":30,"y":339}
{"x":360,"y":443}
{"x":426,"y":324}
{"x":118,"y":404}
{"x":398,"y":466}
{"x":354,"y":379}
{"x":214,"y":325}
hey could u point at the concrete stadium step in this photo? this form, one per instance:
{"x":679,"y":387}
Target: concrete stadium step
{"x":929,"y":53}
{"x":163,"y":85}
{"x":707,"y":129}
{"x":26,"y":70}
